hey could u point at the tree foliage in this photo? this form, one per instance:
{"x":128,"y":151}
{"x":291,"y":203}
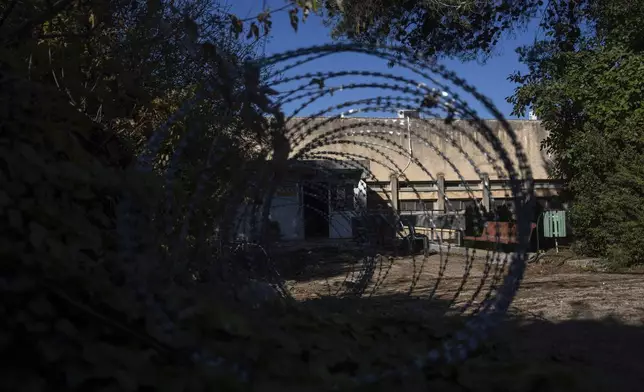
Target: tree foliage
{"x":82,"y":85}
{"x":585,"y":81}
{"x":461,"y":28}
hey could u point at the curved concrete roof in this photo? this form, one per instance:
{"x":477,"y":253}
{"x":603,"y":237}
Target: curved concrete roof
{"x":457,"y":151}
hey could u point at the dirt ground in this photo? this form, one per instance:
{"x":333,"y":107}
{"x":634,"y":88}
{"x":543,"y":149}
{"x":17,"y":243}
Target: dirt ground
{"x":548,"y":292}
{"x":587,"y":321}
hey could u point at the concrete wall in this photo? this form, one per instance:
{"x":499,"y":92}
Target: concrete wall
{"x":460,"y":152}
{"x":385,"y":144}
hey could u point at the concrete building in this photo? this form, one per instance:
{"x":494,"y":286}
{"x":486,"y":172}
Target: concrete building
{"x":402,"y":164}
{"x":319,"y":200}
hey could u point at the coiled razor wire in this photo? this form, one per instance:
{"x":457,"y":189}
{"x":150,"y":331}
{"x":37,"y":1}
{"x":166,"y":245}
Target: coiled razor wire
{"x":323,"y":144}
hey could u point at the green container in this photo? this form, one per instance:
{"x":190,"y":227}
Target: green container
{"x":554,"y":224}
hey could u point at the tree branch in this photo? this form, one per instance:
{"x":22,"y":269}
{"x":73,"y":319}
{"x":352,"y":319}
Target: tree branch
{"x":27,"y":26}
{"x":271,"y":12}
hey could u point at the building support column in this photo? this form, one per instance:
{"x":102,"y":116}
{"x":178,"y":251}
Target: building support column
{"x":485,"y":185}
{"x":393,"y":185}
{"x":440,"y":185}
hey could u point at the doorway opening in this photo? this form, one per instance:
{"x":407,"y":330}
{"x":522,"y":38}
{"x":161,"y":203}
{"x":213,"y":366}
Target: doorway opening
{"x":316,"y":210}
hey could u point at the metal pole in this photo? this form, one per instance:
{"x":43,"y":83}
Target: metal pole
{"x":556,"y":245}
{"x":538,"y":219}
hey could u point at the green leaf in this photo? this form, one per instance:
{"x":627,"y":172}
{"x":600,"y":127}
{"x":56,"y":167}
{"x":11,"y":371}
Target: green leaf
{"x":294,"y":19}
{"x":263,"y":16}
{"x":265,"y":19}
{"x":255,"y":30}
{"x":237,"y":25}
{"x":92,"y":19}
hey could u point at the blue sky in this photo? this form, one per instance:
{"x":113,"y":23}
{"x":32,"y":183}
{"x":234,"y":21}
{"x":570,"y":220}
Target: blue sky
{"x":489,"y":78}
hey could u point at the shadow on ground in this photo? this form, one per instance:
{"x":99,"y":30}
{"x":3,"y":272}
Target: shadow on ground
{"x":316,"y":262}
{"x":594,"y":355}
{"x":327,"y":341}
{"x":322,"y":261}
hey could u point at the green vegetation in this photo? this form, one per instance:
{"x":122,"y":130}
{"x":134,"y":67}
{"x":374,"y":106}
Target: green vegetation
{"x":586,"y":83}
{"x":83,"y":86}
{"x":461,"y":28}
